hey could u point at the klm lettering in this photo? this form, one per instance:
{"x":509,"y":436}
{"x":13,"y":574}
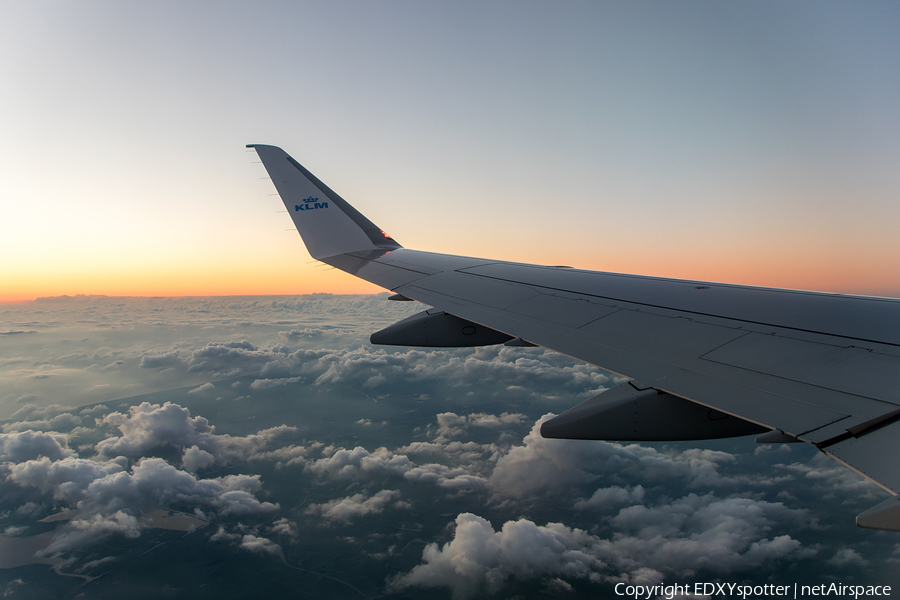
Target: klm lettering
{"x":310,"y":204}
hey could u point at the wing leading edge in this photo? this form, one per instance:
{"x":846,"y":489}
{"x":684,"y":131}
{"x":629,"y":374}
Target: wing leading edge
{"x":716,"y":359}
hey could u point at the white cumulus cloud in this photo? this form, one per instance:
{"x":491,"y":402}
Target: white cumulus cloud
{"x":20,"y":446}
{"x":359,"y":462}
{"x":346,"y":509}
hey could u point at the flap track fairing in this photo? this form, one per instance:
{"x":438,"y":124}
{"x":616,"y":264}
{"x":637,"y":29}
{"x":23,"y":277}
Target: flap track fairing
{"x":437,"y":329}
{"x":624,"y":413}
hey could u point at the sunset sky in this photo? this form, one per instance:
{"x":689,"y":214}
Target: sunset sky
{"x":754,"y":143}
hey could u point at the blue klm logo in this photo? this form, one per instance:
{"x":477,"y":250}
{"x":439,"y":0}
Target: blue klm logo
{"x":310,"y":204}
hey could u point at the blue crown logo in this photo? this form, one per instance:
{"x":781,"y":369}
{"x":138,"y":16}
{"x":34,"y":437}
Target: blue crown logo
{"x":310,"y":204}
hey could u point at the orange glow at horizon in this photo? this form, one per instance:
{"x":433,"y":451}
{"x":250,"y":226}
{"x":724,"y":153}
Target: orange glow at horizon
{"x":819,"y":276}
{"x":831,"y":275}
{"x":215,"y":282}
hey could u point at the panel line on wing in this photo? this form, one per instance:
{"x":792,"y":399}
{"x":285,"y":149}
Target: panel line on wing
{"x":877,"y":318}
{"x":716,"y":390}
{"x":852,"y":370}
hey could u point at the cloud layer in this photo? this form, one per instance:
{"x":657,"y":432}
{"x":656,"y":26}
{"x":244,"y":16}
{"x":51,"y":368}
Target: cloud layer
{"x":296,"y":439}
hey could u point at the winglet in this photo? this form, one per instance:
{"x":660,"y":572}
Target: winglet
{"x":327,"y":223}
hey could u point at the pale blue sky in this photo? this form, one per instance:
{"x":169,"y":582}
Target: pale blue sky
{"x":751,"y":142}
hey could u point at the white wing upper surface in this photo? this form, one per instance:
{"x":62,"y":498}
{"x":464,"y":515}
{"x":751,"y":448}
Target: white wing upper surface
{"x":822,"y":368}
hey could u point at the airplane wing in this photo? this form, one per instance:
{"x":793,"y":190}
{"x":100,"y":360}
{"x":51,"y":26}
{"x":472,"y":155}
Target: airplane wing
{"x":704,"y":360}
